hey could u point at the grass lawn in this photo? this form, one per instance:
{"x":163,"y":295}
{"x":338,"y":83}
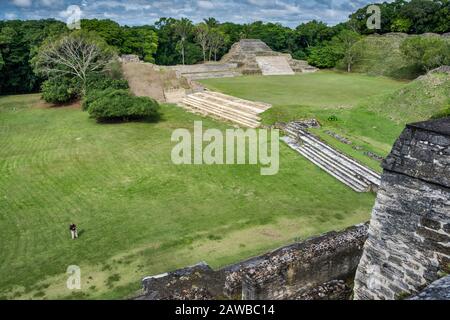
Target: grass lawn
{"x":138,"y":213}
{"x":322,"y":95}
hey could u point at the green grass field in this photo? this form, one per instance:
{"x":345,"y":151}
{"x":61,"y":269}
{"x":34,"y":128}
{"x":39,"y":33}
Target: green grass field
{"x":138,"y":213}
{"x":326,"y":96}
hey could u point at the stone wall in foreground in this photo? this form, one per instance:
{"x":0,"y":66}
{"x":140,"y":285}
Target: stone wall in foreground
{"x":409,"y":235}
{"x":314,"y":269}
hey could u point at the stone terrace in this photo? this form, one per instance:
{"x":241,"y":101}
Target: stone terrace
{"x":217,"y":105}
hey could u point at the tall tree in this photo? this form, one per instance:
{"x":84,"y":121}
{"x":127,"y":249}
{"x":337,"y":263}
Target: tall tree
{"x":202,"y":37}
{"x":73,"y":56}
{"x":183,"y":28}
{"x":216,"y":41}
{"x":211,"y":22}
{"x":343,"y":44}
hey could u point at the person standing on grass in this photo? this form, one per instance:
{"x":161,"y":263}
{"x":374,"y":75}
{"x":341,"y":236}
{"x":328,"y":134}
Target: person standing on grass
{"x":73,"y":231}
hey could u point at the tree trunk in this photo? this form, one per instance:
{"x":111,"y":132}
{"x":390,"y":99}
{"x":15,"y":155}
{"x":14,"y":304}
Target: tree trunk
{"x":182,"y":52}
{"x":349,"y":67}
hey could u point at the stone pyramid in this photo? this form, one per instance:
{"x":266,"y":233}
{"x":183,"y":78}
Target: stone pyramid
{"x":253,"y":56}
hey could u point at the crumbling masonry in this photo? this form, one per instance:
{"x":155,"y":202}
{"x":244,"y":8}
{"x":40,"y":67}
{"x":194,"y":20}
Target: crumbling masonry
{"x":409,"y":235}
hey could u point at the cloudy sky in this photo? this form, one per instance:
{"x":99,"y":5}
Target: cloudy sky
{"x":138,"y":12}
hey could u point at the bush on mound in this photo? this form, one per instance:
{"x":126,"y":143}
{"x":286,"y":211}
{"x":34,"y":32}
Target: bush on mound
{"x":120,"y":105}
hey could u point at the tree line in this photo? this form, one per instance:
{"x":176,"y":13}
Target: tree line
{"x":172,"y":41}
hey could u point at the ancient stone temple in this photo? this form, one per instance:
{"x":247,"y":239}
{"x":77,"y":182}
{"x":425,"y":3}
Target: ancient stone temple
{"x":409,"y":236}
{"x":253,"y":56}
{"x":248,"y":56}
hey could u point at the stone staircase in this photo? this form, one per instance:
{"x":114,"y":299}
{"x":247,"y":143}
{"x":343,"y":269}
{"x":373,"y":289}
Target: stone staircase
{"x":340,"y":166}
{"x":277,"y":65}
{"x":220,"y":106}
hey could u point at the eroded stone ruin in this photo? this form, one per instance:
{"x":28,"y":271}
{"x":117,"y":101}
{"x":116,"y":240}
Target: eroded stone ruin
{"x":248,"y":56}
{"x":318,"y":268}
{"x":253,"y":56}
{"x":409,"y":237}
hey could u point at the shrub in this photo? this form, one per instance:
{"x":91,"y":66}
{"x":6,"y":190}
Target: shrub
{"x":323,"y":57}
{"x":93,"y":95}
{"x":120,"y":105}
{"x":59,"y":91}
{"x":100,"y":85}
{"x":99,"y":81}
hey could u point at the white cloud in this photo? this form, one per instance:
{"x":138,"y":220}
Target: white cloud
{"x":23,"y":3}
{"x":50,"y":3}
{"x":71,"y":11}
{"x":127,"y":6}
{"x":205,"y":4}
{"x":10,"y":16}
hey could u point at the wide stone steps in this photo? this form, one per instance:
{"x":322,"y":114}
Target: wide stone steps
{"x":211,"y":104}
{"x":207,"y":110}
{"x":245,"y":108}
{"x":258,"y":107}
{"x":343,"y":168}
{"x":218,"y":105}
{"x":212,"y":75}
{"x":277,"y":65}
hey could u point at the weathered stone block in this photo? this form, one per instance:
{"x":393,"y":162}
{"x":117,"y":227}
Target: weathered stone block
{"x":409,"y":238}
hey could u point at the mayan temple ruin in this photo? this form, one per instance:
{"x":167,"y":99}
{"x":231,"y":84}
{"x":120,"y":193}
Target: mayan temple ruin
{"x":246,"y":57}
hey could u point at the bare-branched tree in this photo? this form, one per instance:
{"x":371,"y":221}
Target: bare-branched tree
{"x":202,"y":37}
{"x":216,"y":42}
{"x":75,"y":55}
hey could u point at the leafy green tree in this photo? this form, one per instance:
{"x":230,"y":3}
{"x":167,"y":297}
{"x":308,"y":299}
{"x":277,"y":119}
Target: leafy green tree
{"x":113,"y":34}
{"x":401,"y":25}
{"x":19,"y":43}
{"x":211,"y":22}
{"x":422,"y":14}
{"x":323,"y":56}
{"x":343,"y":44}
{"x":166,"y":53}
{"x":142,"y":41}
{"x":313,"y":33}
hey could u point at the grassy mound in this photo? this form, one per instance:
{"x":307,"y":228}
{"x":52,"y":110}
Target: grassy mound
{"x":381,"y":56}
{"x":419,"y":100}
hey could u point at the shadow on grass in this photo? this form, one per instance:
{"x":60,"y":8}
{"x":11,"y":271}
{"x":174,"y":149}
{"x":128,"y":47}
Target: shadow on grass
{"x":152,"y":119}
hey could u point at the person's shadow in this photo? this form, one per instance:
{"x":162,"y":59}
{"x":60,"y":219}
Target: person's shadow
{"x":81,"y":232}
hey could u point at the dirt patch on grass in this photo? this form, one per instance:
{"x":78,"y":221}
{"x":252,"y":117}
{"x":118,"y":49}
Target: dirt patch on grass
{"x":41,"y":104}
